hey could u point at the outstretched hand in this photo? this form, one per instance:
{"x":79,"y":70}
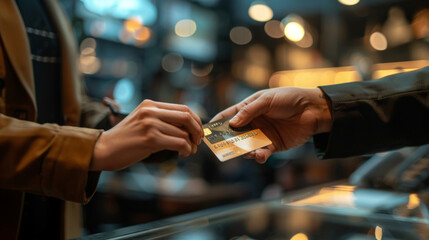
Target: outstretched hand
{"x":151,"y":127}
{"x":288,"y":116}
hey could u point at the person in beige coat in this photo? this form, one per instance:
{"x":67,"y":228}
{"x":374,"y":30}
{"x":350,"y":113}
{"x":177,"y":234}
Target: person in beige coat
{"x":65,"y":162}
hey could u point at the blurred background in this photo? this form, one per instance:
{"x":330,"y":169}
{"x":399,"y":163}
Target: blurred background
{"x":210,"y":54}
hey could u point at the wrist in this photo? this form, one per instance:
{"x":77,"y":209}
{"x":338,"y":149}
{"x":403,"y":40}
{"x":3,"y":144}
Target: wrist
{"x":97,"y":156}
{"x":324,"y":114}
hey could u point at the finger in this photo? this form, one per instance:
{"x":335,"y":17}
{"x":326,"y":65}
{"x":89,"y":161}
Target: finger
{"x":233,"y":110}
{"x":182,"y":119}
{"x":171,"y":130}
{"x":179,"y":107}
{"x":262,"y":154}
{"x":229,"y":112}
{"x":194,"y":148}
{"x":249,"y":155}
{"x":253,"y":109}
{"x":111,"y":103}
{"x":170,"y":142}
{"x":181,"y":145}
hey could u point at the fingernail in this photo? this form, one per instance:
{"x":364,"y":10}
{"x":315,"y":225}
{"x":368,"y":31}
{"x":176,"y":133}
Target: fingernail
{"x":235,"y":120}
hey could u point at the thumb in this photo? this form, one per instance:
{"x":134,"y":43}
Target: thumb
{"x":248,"y":113}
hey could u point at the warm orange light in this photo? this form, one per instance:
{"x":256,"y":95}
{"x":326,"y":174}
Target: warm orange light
{"x":142,"y":35}
{"x":311,"y":78}
{"x":347,"y":76}
{"x":413,"y":201}
{"x":256,"y":75}
{"x":378,"y":233}
{"x":299,"y":236}
{"x":326,"y":76}
{"x":132,"y":24}
{"x":420,"y":23}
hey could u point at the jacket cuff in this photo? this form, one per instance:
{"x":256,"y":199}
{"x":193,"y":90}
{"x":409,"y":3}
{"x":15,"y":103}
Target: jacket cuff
{"x":65,"y":171}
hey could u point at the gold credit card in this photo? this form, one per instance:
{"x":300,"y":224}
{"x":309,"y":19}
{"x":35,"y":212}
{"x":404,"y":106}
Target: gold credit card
{"x":227,"y":142}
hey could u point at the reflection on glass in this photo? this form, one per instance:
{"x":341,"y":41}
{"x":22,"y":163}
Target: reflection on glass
{"x":258,"y":220}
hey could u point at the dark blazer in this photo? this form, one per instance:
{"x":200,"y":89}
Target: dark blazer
{"x":377,"y":115}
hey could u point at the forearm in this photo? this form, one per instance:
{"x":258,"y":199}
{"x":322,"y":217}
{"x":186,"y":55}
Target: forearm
{"x":47,"y":159}
{"x":377,"y":115}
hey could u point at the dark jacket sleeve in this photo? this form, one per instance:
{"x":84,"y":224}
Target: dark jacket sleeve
{"x":377,"y":115}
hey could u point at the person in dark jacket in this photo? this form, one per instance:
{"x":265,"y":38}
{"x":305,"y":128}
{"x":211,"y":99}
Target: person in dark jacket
{"x":345,"y":119}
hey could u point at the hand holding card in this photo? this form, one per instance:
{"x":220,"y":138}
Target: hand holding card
{"x":227,"y":142}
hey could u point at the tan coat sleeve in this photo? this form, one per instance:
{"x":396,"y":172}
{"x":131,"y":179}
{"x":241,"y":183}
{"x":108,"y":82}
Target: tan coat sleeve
{"x":47,"y":159}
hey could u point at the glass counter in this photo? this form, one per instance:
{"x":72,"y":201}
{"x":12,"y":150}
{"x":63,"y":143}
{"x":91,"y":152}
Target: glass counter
{"x":329,"y":212}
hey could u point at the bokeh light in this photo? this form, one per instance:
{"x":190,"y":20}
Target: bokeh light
{"x":294,"y":31}
{"x":88,"y":43}
{"x":420,"y":23}
{"x":132,"y":24}
{"x":201,"y":71}
{"x":299,"y":236}
{"x":172,"y":62}
{"x":89,"y":64}
{"x":185,"y":28}
{"x":349,"y":2}
{"x":260,"y":12}
{"x":240,"y":35}
{"x":378,"y":233}
{"x":378,"y":41}
{"x":306,"y":41}
{"x":98,"y":27}
{"x":273,"y":29}
{"x":142,"y":35}
{"x":124,"y":90}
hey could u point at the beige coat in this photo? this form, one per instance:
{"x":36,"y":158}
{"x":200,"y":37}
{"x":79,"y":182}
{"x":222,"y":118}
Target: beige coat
{"x":44,"y":159}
